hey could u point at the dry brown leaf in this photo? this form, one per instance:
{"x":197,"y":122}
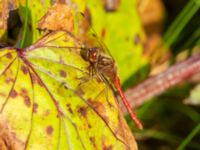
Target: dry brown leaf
{"x":152,"y":13}
{"x":5,"y":7}
{"x":58,"y":17}
{"x":8,"y":139}
{"x":111,"y":5}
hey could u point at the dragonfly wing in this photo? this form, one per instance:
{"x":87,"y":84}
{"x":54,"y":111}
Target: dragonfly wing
{"x":57,"y":39}
{"x":88,"y":34}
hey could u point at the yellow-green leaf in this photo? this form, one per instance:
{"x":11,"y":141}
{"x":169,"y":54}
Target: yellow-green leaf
{"x":48,"y":100}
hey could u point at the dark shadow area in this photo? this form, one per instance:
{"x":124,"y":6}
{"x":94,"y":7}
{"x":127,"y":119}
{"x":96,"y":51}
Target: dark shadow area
{"x":169,"y":121}
{"x":14,"y":25}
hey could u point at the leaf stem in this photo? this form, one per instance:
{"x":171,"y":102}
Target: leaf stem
{"x":25,"y":25}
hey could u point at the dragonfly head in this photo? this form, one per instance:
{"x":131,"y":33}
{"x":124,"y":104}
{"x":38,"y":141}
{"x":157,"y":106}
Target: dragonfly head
{"x":91,"y":54}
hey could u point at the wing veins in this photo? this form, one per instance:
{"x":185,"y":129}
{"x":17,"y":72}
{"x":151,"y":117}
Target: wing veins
{"x":56,"y":62}
{"x":41,"y":43}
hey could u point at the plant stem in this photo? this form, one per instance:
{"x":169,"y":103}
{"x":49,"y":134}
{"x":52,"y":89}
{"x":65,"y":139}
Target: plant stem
{"x":181,"y":21}
{"x":25,"y":25}
{"x":159,"y":83}
{"x":189,"y":137}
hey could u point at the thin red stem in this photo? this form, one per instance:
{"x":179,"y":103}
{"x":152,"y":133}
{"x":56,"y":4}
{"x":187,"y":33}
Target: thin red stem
{"x":127,"y":105}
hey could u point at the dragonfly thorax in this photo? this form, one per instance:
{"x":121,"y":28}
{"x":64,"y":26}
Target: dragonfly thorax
{"x":106,"y":66}
{"x":100,"y":62}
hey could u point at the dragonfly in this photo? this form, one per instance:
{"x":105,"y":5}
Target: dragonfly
{"x":106,"y":67}
{"x":102,"y":63}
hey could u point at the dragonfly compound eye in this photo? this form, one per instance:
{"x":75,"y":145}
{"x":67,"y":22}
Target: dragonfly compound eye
{"x":93,"y":54}
{"x":85,"y":54}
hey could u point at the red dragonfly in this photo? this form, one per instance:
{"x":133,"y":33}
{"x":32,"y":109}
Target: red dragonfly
{"x":104,"y":64}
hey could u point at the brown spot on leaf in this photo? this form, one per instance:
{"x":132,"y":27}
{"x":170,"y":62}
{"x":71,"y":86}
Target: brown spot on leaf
{"x":9,"y":56}
{"x":96,"y":105}
{"x":103,"y":32}
{"x":24,"y":69}
{"x":9,"y":80}
{"x":47,"y":112}
{"x":27,"y":101}
{"x":63,"y":73}
{"x":92,"y":140}
{"x":79,"y":91}
{"x":13,"y":93}
{"x":35,"y":107}
{"x":83,"y":111}
{"x":49,"y":130}
{"x":2,"y":94}
{"x":24,"y":91}
{"x":111,"y":5}
{"x":61,"y":60}
{"x":89,"y":126}
{"x":99,"y":107}
{"x":137,"y":39}
{"x":107,"y":147}
{"x":69,"y":108}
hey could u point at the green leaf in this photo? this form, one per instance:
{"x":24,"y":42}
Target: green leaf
{"x":31,"y":12}
{"x":48,"y":100}
{"x":194,"y":97}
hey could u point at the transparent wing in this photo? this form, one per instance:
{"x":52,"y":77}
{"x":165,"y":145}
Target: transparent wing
{"x":87,"y":33}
